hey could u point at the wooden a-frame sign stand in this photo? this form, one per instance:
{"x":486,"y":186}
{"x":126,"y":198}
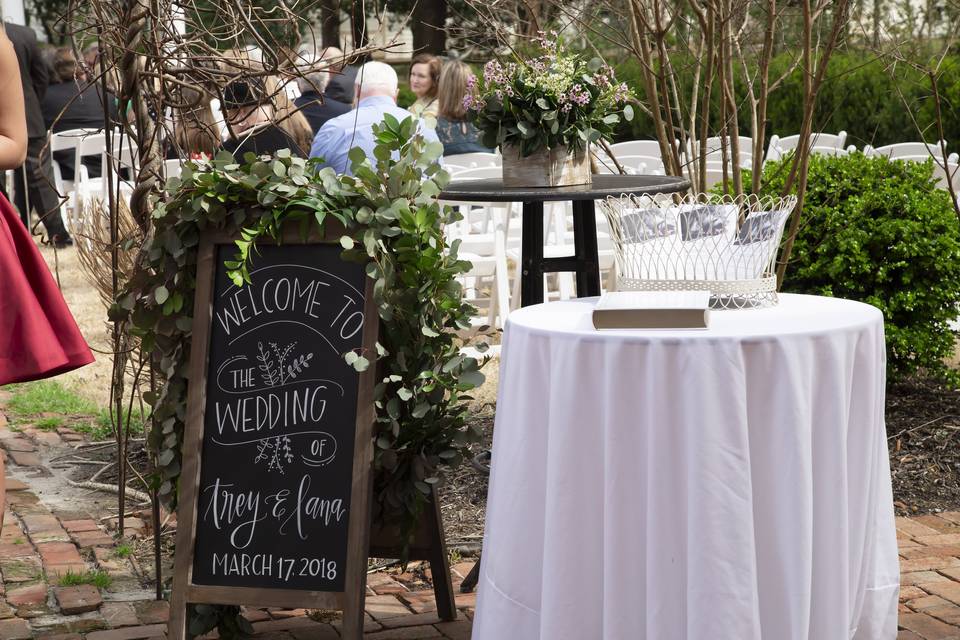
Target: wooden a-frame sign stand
{"x":428,"y":542}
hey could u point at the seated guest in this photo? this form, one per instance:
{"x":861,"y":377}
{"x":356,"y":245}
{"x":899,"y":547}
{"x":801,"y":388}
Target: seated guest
{"x":250,"y":116}
{"x":424,"y":79}
{"x":73,"y":103}
{"x":316,"y":107}
{"x":343,"y":77}
{"x":195,"y":132}
{"x":376,"y":90}
{"x":457,"y":134}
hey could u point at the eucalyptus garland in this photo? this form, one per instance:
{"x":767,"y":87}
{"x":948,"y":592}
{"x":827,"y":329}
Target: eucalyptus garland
{"x":395,"y":225}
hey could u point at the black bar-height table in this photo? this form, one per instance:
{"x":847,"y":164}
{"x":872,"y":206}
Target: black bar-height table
{"x":585,"y":261}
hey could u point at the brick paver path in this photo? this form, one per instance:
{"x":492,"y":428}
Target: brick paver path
{"x":38,"y":545}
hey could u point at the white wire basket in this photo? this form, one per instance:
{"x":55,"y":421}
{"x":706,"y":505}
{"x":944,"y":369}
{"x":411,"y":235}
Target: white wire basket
{"x":726,"y":245}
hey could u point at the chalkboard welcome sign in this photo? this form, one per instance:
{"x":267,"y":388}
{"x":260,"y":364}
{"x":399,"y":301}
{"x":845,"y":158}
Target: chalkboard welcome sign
{"x":275,"y":494}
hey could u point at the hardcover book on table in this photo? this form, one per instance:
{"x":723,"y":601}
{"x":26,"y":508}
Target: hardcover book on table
{"x":652,"y":310}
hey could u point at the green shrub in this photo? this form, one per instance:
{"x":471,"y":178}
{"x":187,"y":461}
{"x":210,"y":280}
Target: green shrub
{"x":406,"y":96}
{"x":880,"y":232}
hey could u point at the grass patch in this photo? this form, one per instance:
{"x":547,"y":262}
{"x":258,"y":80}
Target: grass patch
{"x":98,"y":578}
{"x":48,"y":396}
{"x":18,"y":541}
{"x":31,"y":399}
{"x":123,"y":550}
{"x":50,"y":423}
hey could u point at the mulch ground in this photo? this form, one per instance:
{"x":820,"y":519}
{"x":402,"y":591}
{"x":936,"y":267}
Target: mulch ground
{"x":923,"y":429}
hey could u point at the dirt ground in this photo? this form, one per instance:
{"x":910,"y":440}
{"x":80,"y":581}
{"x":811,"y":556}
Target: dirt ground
{"x":92,"y":381}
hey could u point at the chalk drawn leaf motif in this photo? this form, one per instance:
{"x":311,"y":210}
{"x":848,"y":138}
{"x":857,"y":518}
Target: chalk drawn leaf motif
{"x":267,"y":369}
{"x":298,"y":364}
{"x":276,"y":461}
{"x":282,"y":357}
{"x":262,"y":448}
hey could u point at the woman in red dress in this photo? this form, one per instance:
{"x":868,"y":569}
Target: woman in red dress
{"x":38,"y":336}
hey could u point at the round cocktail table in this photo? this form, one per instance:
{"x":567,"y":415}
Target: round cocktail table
{"x":730,"y":483}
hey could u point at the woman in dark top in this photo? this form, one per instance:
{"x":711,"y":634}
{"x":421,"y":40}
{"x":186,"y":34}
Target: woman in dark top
{"x":455,"y":131}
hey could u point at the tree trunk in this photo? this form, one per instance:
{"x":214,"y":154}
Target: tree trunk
{"x":358,"y":24}
{"x":427,"y":24}
{"x":330,"y":23}
{"x":877,"y":9}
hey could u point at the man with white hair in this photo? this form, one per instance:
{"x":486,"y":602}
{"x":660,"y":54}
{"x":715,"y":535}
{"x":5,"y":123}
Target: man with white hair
{"x":376,"y":89}
{"x":316,"y":107}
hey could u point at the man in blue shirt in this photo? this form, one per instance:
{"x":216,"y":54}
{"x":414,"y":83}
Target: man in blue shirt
{"x":376,"y":87}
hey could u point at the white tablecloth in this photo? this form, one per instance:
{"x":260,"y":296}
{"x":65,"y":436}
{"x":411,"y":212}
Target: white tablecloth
{"x":723,"y":484}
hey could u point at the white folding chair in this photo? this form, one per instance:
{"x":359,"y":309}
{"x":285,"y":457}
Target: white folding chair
{"x":483,"y":241}
{"x":778,"y":146}
{"x":474,"y":160}
{"x":633,"y":165}
{"x":636,"y":148}
{"x":947,"y":175}
{"x":715,"y":150}
{"x":123,"y":158}
{"x":906,"y":149}
{"x":937,"y":160}
{"x":829,"y":151}
{"x":66,"y":141}
{"x":10,"y":182}
{"x":172,"y":168}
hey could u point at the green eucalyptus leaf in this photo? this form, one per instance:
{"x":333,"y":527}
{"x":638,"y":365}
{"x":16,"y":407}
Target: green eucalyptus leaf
{"x":472,"y":378}
{"x":420,"y":410}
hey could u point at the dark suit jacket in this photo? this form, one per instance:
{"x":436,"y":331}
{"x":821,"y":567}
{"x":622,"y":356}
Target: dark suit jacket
{"x":316,"y":111}
{"x":33,"y":74}
{"x":341,"y":85}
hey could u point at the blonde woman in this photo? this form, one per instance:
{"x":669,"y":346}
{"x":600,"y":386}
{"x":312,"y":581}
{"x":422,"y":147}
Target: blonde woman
{"x":424,"y":81}
{"x":455,"y":131}
{"x":38,"y":336}
{"x":288,"y":116}
{"x":196,"y":135}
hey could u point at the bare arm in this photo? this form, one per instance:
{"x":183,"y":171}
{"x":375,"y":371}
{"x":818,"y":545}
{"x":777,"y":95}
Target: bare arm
{"x":13,"y":122}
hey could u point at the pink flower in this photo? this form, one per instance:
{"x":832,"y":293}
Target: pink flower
{"x":579,"y":95}
{"x":493,"y":73}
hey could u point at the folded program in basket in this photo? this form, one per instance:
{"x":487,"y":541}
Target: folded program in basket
{"x":719,"y":244}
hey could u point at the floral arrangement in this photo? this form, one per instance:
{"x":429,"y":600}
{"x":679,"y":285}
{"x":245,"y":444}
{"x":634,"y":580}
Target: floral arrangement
{"x":555,"y":99}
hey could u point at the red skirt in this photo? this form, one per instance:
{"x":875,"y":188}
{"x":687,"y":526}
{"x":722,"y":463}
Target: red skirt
{"x":38,"y":336}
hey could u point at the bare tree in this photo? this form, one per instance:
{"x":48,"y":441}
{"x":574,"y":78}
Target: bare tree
{"x":165,"y":61}
{"x":725,"y":48}
{"x":931,"y":66}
